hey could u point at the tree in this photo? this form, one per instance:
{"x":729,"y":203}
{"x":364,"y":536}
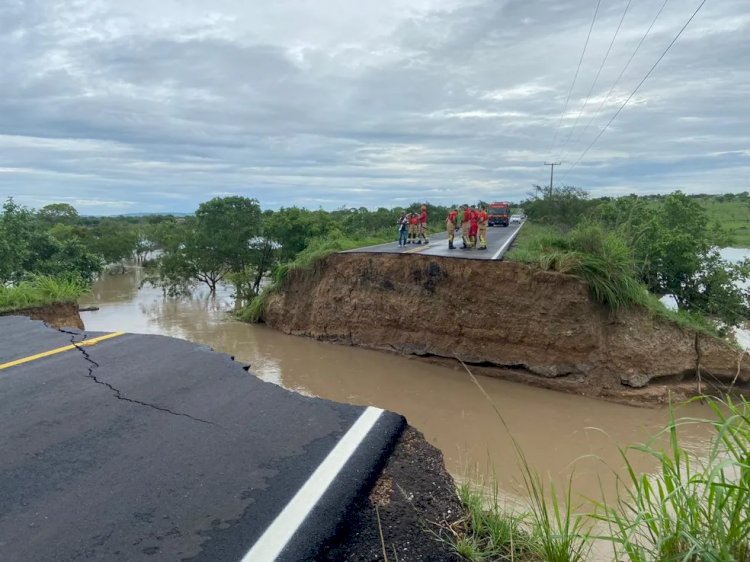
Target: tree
{"x":565,"y":207}
{"x":675,"y":247}
{"x":27,"y":248}
{"x":292,"y":228}
{"x":114,"y":240}
{"x":59,"y":213}
{"x":216,"y":243}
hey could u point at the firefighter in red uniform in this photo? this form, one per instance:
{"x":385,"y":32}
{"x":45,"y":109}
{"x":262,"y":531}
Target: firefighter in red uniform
{"x":484,"y":219}
{"x":413,"y":225}
{"x":466,"y":225}
{"x":450,"y":225}
{"x":473,"y":227}
{"x":423,"y":226}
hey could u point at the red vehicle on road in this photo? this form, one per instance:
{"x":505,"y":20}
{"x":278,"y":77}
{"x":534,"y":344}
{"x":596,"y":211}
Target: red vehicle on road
{"x":499,"y":213}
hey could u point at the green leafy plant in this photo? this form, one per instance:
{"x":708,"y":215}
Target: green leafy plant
{"x":41,"y":291}
{"x":695,"y":509}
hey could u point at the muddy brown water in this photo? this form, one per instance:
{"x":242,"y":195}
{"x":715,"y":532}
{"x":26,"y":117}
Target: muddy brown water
{"x":560,"y":434}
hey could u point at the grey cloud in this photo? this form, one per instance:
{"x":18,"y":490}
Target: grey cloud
{"x":303,"y":103}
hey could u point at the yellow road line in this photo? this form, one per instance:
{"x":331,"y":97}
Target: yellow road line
{"x":84,"y":343}
{"x":415,"y":250}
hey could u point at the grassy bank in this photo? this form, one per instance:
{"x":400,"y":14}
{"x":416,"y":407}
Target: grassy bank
{"x":604,"y":261}
{"x":40,"y":291}
{"x":317,"y":249}
{"x":693,"y":509}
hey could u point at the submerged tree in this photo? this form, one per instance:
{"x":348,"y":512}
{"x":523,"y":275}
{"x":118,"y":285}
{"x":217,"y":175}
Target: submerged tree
{"x":207,"y":249}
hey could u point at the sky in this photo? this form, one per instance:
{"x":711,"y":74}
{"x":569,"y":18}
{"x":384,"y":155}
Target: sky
{"x":155,"y":106}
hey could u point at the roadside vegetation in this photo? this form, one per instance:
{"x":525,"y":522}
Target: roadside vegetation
{"x":632,"y":251}
{"x":41,"y":291}
{"x":694,"y":508}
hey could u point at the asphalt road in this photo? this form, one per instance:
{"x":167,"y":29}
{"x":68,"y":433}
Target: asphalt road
{"x":153,"y":448}
{"x":499,"y":240}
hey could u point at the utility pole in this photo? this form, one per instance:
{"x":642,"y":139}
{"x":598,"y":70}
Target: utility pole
{"x":551,"y":174}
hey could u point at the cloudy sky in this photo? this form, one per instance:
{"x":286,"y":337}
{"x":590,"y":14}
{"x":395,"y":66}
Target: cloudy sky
{"x":121,"y":106}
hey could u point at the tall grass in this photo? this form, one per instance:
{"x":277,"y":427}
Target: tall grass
{"x":490,"y":532}
{"x":316,"y":250}
{"x":693,"y":509}
{"x":599,"y":256}
{"x":550,"y":530}
{"x":604,"y":260}
{"x":41,"y":291}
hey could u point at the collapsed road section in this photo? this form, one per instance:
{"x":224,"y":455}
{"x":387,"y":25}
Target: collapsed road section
{"x":131,"y":447}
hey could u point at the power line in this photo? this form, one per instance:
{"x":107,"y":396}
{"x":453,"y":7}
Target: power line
{"x":575,"y":77}
{"x":622,"y":72}
{"x":583,"y":154}
{"x":596,"y":78}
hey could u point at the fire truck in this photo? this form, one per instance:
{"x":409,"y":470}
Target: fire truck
{"x":499,"y":213}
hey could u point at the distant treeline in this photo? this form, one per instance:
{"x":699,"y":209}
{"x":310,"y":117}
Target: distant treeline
{"x":233,"y":240}
{"x":566,"y":206}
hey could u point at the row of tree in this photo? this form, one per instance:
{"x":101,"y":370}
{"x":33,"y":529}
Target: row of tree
{"x":232,"y":240}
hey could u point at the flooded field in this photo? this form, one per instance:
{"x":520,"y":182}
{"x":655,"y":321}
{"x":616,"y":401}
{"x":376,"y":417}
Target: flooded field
{"x":559,"y":433}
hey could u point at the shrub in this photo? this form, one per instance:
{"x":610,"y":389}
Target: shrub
{"x":41,"y":291}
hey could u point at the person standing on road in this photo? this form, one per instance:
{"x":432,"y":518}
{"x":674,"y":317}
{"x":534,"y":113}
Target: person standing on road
{"x":423,"y":226}
{"x":403,"y":229}
{"x":450,"y":225}
{"x":413,"y":222}
{"x":484,"y":219}
{"x":466,"y":225}
{"x":473,"y":227}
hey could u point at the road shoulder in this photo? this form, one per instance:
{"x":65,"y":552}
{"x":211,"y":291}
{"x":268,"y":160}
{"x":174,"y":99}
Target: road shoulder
{"x":414,"y":499}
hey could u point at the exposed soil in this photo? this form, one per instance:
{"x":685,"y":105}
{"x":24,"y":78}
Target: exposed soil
{"x":59,"y":315}
{"x":414,"y":499}
{"x":504,"y":319}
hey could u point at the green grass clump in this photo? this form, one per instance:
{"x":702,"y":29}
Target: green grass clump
{"x":256,"y":308}
{"x":41,"y":291}
{"x":490,"y":532}
{"x":599,"y":256}
{"x":319,"y":248}
{"x":316,"y":250}
{"x":696,"y":508}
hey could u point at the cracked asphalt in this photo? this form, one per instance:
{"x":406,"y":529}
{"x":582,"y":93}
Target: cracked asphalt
{"x":153,"y":448}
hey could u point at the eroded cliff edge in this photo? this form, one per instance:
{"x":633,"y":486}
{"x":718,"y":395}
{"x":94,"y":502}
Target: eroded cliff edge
{"x":503,"y":319}
{"x":59,"y":315}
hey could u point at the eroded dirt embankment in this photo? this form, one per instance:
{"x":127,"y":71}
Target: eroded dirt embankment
{"x":59,"y":315}
{"x":503,"y":319}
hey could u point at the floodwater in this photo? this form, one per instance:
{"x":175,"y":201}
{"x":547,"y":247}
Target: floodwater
{"x":560,"y":434}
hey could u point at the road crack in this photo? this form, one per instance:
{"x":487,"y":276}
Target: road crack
{"x":93,"y":365}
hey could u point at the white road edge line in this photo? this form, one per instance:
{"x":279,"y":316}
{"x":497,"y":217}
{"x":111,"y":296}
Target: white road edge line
{"x":279,"y":533}
{"x":508,"y":242}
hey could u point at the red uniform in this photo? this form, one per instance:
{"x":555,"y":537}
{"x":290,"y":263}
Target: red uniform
{"x":473,"y":229}
{"x":423,"y":217}
{"x":452,"y":216}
